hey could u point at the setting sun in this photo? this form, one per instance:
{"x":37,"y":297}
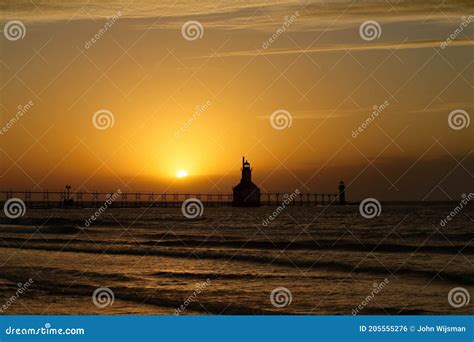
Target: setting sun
{"x":181,"y":174}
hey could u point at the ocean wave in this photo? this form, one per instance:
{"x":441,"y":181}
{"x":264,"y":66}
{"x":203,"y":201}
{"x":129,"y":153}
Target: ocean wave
{"x":164,"y":298}
{"x":238,"y":276}
{"x":462,"y":278}
{"x":20,"y":229}
{"x":31,"y":221}
{"x":312,"y":245}
{"x":174,"y":240}
{"x":394,"y":311}
{"x":12,"y":272}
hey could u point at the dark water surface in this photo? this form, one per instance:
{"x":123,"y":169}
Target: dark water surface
{"x":329,"y":258}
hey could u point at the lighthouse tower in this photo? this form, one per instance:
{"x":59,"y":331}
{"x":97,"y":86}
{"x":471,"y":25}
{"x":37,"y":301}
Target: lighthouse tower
{"x":246,"y":193}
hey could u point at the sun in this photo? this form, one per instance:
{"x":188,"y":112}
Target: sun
{"x":181,"y":173}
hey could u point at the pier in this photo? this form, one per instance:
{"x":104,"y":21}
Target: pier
{"x":95,"y":199}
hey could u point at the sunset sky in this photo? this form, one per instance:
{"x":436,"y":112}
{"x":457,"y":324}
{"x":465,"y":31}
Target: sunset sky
{"x":199,"y":105}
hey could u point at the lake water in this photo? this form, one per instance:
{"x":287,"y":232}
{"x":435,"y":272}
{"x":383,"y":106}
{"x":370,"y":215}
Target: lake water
{"x":315,"y":260}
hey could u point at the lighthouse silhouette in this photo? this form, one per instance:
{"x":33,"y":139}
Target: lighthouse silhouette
{"x":246,"y":193}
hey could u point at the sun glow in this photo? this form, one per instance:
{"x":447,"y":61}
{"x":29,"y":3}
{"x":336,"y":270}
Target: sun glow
{"x":181,"y":174}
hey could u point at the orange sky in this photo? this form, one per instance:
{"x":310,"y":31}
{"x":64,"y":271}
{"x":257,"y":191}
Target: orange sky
{"x":199,"y":105}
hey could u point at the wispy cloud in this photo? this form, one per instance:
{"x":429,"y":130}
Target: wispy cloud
{"x":256,"y":14}
{"x":345,"y":47}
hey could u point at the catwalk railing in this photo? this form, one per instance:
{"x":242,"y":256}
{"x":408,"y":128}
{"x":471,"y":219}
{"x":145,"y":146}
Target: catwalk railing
{"x":84,"y":199}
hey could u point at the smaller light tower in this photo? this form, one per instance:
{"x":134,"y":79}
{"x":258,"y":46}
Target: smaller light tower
{"x":68,"y":188}
{"x":68,"y":201}
{"x":342,"y":193}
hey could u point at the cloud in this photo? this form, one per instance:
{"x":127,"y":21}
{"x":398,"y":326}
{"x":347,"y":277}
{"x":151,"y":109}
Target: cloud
{"x":320,"y":114}
{"x":346,"y":47}
{"x":258,"y":14}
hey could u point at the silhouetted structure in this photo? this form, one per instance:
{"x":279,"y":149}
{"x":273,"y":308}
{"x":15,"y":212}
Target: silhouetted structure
{"x":342,"y":193}
{"x":246,"y":193}
{"x":68,"y":201}
{"x":94,"y":199}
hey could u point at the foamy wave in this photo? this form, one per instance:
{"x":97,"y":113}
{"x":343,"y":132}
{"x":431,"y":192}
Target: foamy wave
{"x":334,"y":266}
{"x":38,"y":229}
